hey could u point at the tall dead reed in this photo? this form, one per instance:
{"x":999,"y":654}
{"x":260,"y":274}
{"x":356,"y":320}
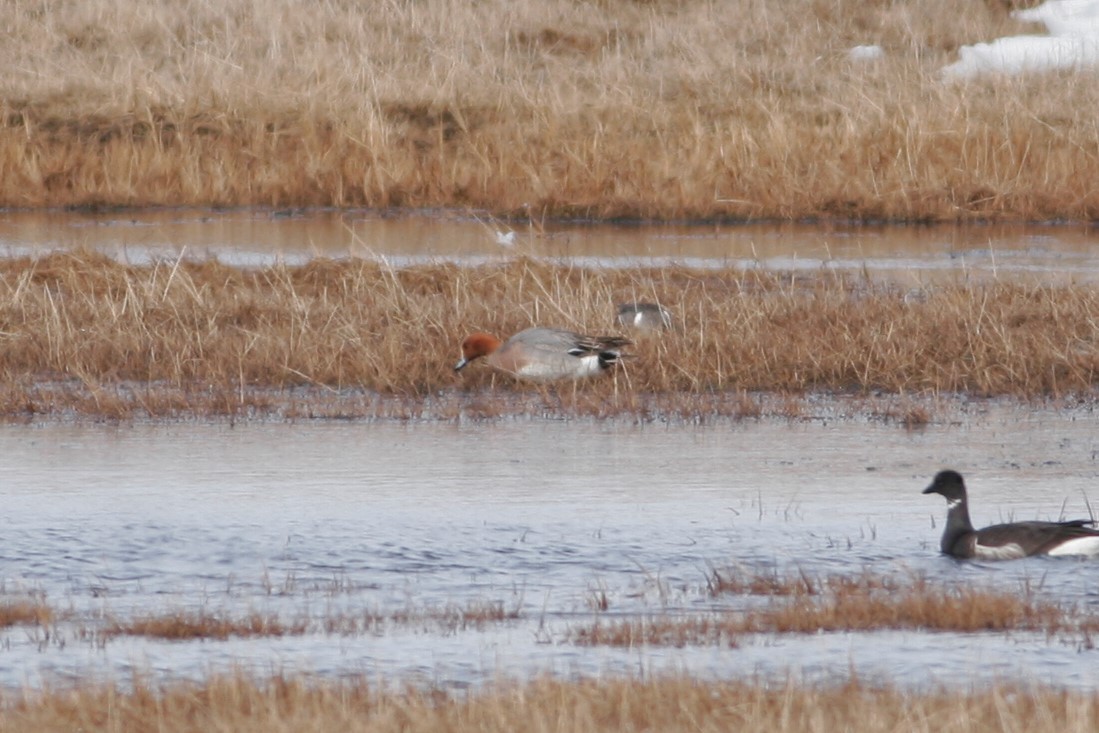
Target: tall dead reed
{"x":667,"y":704}
{"x":604,"y":109}
{"x":181,"y":335}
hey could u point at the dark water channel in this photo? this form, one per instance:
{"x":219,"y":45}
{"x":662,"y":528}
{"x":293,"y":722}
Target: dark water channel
{"x":542,"y":518}
{"x":254,"y":238}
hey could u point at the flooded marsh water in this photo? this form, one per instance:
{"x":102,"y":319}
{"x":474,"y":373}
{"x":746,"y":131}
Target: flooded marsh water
{"x":400,"y":527}
{"x":557,"y":523}
{"x":252,"y":238}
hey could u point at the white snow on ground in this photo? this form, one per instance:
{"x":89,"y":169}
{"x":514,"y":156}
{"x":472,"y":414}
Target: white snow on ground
{"x":1073,"y":43}
{"x":865,"y":53}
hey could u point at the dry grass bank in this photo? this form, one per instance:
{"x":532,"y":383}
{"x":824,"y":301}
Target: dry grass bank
{"x":674,"y":704}
{"x":81,"y":332}
{"x":607,"y":108}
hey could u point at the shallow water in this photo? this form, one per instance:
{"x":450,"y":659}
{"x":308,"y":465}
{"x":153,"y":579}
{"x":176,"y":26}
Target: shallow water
{"x":543,"y":518}
{"x":254,"y":238}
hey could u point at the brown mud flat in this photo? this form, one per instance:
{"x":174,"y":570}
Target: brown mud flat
{"x":648,"y":110}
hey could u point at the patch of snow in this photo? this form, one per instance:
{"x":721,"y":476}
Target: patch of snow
{"x":1073,"y":43}
{"x":1064,"y":17}
{"x":865,"y":53}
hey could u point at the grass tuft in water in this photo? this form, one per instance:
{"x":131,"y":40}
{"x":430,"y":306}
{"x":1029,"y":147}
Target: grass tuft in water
{"x":803,"y":605}
{"x":16,"y":612}
{"x":186,"y":626}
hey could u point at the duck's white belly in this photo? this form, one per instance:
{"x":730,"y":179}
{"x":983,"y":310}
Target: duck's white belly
{"x":998,"y":552}
{"x":569,"y":367}
{"x":1078,"y":546}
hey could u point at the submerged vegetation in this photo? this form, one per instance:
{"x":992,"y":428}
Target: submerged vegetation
{"x":611,"y":108}
{"x":81,"y":332}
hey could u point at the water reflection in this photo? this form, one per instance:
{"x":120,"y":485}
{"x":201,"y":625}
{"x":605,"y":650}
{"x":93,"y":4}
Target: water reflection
{"x":255,"y":238}
{"x":542,"y":518}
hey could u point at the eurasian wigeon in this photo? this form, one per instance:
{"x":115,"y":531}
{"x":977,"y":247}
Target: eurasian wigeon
{"x":645,"y":316}
{"x":1006,"y":541}
{"x":545,"y":354}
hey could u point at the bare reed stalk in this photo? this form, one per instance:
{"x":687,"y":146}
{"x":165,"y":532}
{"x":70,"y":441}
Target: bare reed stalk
{"x":670,"y":704}
{"x":178,"y":336}
{"x":604,"y":109}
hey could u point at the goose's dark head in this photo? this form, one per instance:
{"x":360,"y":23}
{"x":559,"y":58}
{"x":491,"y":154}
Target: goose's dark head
{"x":948,"y":484}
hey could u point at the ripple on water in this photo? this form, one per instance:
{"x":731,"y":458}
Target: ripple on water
{"x":153,"y":519}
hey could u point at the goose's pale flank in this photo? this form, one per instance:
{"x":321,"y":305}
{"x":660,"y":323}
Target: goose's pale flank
{"x":645,"y":316}
{"x":545,"y":354}
{"x":1005,"y":541}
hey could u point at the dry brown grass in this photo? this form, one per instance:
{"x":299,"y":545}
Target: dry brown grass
{"x":602,"y":109}
{"x":802,"y":605}
{"x":182,"y":625}
{"x":671,"y":704}
{"x":79,"y":332}
{"x":447,"y":619}
{"x":34,"y":612}
{"x":188,"y":625}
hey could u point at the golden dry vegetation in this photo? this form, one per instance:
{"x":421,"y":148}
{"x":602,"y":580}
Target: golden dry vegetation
{"x":791,"y":605}
{"x":606,"y":108}
{"x":802,"y":605}
{"x":672,"y":704}
{"x":80,"y":332}
{"x":181,"y":625}
{"x":184,"y":625}
{"x":21,"y":611}
{"x":796,"y":604}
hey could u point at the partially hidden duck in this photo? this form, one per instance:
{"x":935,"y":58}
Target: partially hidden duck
{"x":545,"y":354}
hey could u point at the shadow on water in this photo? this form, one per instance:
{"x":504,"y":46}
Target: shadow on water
{"x":557,"y":523}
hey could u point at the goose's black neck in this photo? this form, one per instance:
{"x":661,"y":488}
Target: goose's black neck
{"x":957,"y":523}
